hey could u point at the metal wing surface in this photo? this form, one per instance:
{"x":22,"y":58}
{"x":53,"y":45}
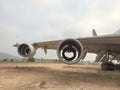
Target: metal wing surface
{"x":91,"y":44}
{"x":96,"y":44}
{"x":47,"y":44}
{"x":71,"y":51}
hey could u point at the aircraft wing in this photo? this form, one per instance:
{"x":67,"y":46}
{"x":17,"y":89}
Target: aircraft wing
{"x":48,"y":44}
{"x":101,"y":45}
{"x":106,"y":47}
{"x":91,"y":44}
{"x":96,"y":44}
{"x":71,"y":51}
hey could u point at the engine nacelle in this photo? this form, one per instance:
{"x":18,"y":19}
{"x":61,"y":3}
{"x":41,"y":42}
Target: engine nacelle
{"x":26,"y":50}
{"x":70,"y":51}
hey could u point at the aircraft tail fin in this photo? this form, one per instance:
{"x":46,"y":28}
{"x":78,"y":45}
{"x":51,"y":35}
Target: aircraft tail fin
{"x":94,"y":33}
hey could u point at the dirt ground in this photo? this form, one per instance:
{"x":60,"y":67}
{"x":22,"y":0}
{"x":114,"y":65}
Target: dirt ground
{"x":50,"y":76}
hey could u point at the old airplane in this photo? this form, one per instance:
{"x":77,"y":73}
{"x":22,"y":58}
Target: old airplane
{"x":71,"y":51}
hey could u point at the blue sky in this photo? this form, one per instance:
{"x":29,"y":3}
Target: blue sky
{"x":41,"y":20}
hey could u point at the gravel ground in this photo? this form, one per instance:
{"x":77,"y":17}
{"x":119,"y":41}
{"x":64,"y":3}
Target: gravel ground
{"x":51,"y":76}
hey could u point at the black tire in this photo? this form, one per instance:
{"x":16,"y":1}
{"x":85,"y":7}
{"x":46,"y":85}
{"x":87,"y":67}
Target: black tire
{"x":118,"y":67}
{"x":104,"y":66}
{"x":108,"y":66}
{"x":111,"y":67}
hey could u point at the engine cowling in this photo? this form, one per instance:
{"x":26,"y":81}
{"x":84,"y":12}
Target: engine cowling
{"x":70,"y":51}
{"x":26,"y":50}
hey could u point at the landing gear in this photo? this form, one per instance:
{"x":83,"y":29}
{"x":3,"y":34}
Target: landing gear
{"x":118,"y":67}
{"x":109,"y":66}
{"x":107,"y":58}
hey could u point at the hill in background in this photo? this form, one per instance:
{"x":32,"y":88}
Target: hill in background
{"x":8,"y":56}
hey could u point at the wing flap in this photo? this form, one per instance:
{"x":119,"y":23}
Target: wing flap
{"x":47,"y":44}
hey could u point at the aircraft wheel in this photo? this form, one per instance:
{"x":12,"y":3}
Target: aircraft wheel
{"x":104,"y":66}
{"x":111,"y":67}
{"x":118,"y":67}
{"x":108,"y":66}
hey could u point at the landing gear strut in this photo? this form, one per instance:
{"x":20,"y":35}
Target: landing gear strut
{"x":106,"y":58}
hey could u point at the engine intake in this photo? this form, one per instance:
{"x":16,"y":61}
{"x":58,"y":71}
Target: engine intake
{"x":26,"y":50}
{"x":70,"y":51}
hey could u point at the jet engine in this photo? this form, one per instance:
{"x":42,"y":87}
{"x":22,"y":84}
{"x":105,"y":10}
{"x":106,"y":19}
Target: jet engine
{"x":70,"y":51}
{"x":26,"y":50}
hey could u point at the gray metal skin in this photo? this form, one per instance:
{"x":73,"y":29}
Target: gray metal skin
{"x":107,"y":46}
